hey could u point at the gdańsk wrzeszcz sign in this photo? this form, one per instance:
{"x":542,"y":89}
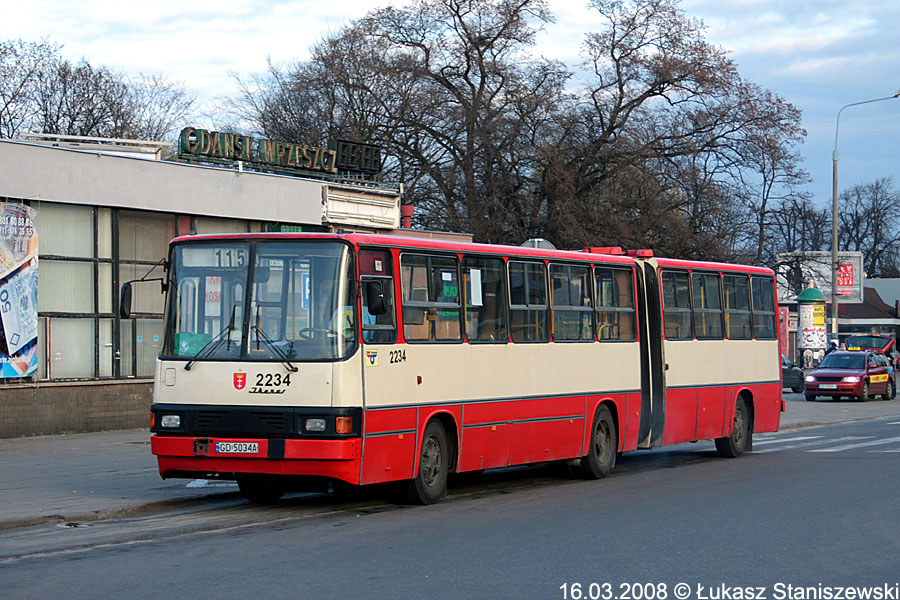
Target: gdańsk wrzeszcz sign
{"x":349,"y":156}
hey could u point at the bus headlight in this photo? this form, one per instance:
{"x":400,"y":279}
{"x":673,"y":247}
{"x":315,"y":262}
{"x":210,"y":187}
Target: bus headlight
{"x":316,"y":425}
{"x":170,"y":421}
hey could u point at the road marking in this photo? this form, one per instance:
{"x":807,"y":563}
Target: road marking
{"x":811,"y":443}
{"x":859,"y":445}
{"x":792,"y":439}
{"x":894,"y":423}
{"x":896,"y":451}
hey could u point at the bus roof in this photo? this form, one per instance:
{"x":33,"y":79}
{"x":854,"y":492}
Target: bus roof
{"x":396,"y":241}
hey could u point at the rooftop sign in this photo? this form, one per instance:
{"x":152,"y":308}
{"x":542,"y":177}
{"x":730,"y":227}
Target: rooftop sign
{"x":341,"y":156}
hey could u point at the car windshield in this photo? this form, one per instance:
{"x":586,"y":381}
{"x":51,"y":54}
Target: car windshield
{"x":297,"y":306}
{"x":868,"y":341}
{"x":843,"y":361}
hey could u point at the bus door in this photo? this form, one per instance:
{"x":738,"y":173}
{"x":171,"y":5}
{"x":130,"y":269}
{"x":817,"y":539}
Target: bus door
{"x":653,"y":376}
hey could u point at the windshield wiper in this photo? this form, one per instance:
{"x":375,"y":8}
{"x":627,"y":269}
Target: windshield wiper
{"x":213,"y":344}
{"x":272,"y":345}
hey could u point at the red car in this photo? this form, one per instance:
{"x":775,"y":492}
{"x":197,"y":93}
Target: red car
{"x":858,"y":375}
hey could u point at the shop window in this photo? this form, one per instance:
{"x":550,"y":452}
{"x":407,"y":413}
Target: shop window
{"x":72,"y":348}
{"x":147,"y":344}
{"x":105,"y":348}
{"x":65,"y":286}
{"x":214,"y":225}
{"x":65,"y":229}
{"x":144,"y":236}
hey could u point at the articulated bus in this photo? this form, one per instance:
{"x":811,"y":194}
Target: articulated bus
{"x":356,"y":358}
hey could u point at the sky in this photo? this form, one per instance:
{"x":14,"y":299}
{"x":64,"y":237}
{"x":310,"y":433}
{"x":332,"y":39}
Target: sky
{"x":819,"y":55}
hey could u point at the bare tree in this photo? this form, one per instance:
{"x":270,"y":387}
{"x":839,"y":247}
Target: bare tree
{"x":21,"y":64}
{"x":869,"y":216}
{"x":40,"y":91}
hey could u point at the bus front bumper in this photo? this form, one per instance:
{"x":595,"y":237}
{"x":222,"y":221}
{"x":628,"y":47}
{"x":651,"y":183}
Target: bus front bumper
{"x":189,"y":456}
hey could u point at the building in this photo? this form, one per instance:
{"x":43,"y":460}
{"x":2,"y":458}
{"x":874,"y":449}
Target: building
{"x":104,"y":211}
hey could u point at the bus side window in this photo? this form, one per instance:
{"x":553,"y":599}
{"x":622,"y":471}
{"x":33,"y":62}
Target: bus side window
{"x":707,"y":306}
{"x":677,"y":313}
{"x":570,"y":302}
{"x":376,"y":284}
{"x":431,"y":298}
{"x":485,"y":293}
{"x":615,"y":304}
{"x":378,"y":311}
{"x":737,"y":307}
{"x":528,"y":302}
{"x":763,"y":293}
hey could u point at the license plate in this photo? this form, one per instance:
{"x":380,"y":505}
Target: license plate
{"x":237,"y":448}
{"x":827,"y":386}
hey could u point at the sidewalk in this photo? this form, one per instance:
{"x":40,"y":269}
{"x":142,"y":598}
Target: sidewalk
{"x":92,"y":476}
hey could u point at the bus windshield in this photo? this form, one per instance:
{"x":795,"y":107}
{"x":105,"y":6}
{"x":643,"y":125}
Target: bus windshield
{"x":298,"y":306}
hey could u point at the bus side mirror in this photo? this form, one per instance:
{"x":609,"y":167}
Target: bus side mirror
{"x":375,"y":303}
{"x":125,"y":302}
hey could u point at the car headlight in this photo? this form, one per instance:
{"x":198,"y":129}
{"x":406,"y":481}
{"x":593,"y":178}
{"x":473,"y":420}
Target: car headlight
{"x":851,"y":379}
{"x":810,"y":379}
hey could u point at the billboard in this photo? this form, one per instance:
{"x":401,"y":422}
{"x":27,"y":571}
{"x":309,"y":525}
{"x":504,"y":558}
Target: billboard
{"x":795,"y":270}
{"x":18,"y":291}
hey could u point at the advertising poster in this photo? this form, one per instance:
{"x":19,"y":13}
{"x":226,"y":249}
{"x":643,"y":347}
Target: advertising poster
{"x":18,"y":291}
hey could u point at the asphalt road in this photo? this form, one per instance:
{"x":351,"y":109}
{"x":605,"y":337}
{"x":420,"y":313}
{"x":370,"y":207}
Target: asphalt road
{"x":814,"y":506}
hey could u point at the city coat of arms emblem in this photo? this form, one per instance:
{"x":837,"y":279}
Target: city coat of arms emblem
{"x":240,"y":381}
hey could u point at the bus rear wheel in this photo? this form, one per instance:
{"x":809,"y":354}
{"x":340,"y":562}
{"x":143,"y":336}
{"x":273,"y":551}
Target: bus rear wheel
{"x":735,"y":444}
{"x":260,"y":489}
{"x":601,"y":456}
{"x":430,"y":483}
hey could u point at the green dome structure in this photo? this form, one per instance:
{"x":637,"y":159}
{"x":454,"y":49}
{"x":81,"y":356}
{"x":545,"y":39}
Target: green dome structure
{"x":810,"y":296}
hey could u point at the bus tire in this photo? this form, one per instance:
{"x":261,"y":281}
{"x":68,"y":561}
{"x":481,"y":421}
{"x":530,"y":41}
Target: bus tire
{"x":260,"y":489}
{"x":602,"y":446}
{"x":735,"y":444}
{"x":430,"y":483}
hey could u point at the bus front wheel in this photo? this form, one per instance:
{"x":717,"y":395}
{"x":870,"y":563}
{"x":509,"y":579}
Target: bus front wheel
{"x":430,"y":483}
{"x":601,"y":456}
{"x":735,"y":444}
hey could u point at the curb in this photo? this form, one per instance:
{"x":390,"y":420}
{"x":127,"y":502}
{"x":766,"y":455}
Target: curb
{"x":113,"y":513}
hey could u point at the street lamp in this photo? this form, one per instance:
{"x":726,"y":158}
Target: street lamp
{"x":834,"y":215}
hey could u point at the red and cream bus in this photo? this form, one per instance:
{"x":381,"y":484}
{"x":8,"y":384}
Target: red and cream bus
{"x":367,"y":359}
